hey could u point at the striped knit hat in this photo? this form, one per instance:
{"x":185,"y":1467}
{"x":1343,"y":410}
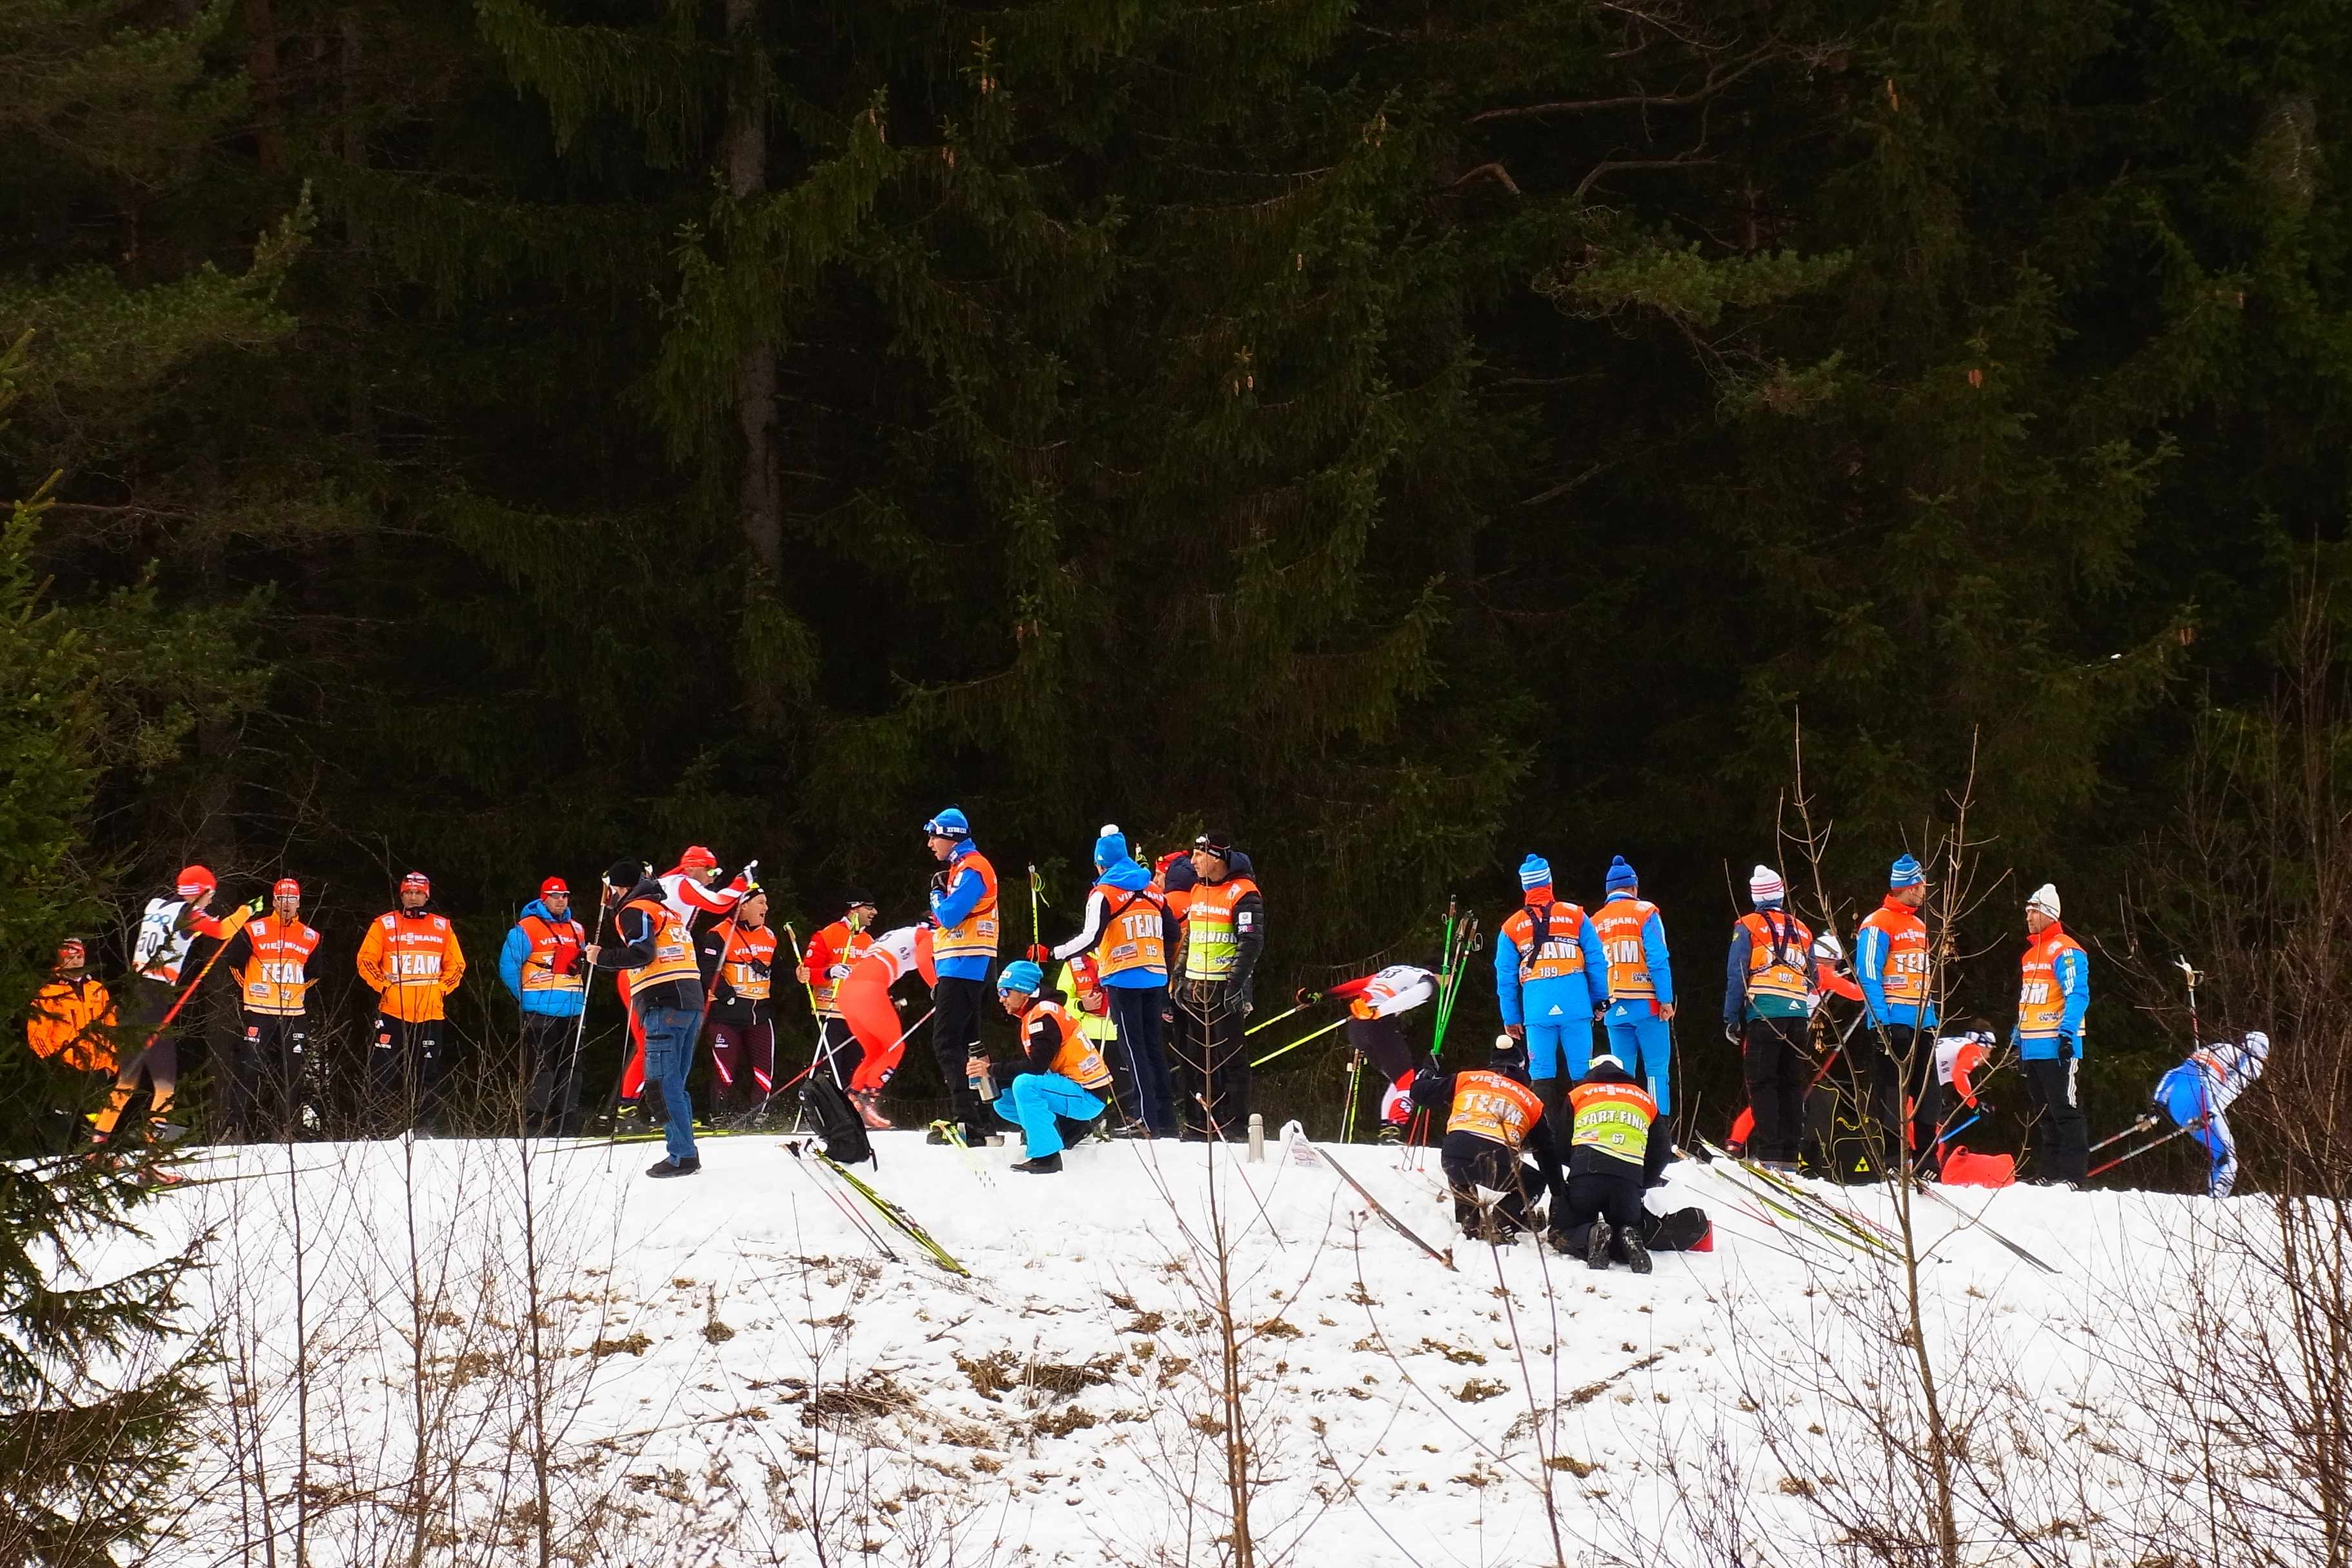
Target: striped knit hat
{"x":1764,"y":888}
{"x":1907,"y":873}
{"x":1535,"y":871}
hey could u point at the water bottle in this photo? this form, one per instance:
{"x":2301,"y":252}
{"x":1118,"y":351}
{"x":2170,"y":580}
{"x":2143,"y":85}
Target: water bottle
{"x":984,"y":1084}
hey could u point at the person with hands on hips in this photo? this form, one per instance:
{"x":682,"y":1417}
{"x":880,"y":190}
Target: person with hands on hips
{"x":2053,"y":993}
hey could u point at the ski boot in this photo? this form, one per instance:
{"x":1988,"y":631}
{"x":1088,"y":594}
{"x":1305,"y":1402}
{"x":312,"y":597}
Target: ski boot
{"x":1596,"y":1249}
{"x":1637,"y":1252}
{"x":867,"y":1103}
{"x":1042,"y":1165}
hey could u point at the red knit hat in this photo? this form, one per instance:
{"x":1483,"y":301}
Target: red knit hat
{"x":554,"y":885}
{"x":287,"y":888}
{"x":195,"y":882}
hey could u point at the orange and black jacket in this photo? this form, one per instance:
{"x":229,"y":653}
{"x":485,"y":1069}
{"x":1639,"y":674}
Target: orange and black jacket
{"x":636,"y":932}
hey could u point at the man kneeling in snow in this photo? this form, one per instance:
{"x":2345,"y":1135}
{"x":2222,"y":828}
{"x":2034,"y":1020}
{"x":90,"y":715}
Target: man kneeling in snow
{"x":1491,"y":1118}
{"x":1612,"y":1157}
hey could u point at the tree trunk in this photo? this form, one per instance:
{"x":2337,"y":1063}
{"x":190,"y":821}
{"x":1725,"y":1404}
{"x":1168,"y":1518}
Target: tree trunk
{"x":261,"y":65}
{"x":759,"y":501}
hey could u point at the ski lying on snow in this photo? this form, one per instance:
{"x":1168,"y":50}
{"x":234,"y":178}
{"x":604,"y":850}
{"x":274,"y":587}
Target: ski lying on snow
{"x":838,"y":1193}
{"x":1988,"y":1230}
{"x":1300,"y":1141}
{"x":963,"y":1145}
{"x":882,"y":1205}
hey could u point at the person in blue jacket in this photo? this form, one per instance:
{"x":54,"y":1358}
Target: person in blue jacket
{"x":1129,"y":930}
{"x":540,"y":966}
{"x":2053,"y":994}
{"x":964,"y":909}
{"x":1551,"y":979}
{"x":1641,"y":984}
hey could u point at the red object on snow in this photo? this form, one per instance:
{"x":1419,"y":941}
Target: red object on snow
{"x":1706,"y":1242}
{"x":1962,"y":1169}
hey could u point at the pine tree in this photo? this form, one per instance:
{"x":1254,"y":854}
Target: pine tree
{"x":101,"y":1368}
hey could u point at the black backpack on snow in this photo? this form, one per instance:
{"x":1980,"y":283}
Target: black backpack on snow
{"x":838,"y":1126}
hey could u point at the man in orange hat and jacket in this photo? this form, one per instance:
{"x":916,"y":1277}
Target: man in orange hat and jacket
{"x":412,"y":959}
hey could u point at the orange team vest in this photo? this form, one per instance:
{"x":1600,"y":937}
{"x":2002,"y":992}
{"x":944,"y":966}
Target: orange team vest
{"x":69,"y":1024}
{"x":748,"y":961}
{"x":1213,"y":944}
{"x":1077,"y":1058}
{"x":2041,"y":1006}
{"x":1904,"y":977}
{"x":1557,"y":952}
{"x":847,"y":947}
{"x":1780,"y":961}
{"x":1613,"y":1118}
{"x":974,"y":936}
{"x":1493,"y":1106}
{"x":275,"y":980}
{"x":538,"y":963}
{"x":673,"y":949}
{"x":1134,"y":933}
{"x":1618,"y":925}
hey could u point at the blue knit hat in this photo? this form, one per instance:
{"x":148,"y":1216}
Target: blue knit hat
{"x":1535,"y":871}
{"x":948,"y":824}
{"x":1907,"y":873}
{"x":1621,"y":875}
{"x":1021,"y":975}
{"x":1110,"y":848}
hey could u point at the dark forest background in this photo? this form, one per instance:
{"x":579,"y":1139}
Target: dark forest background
{"x":493,"y":439}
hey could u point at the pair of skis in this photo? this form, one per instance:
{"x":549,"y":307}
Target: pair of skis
{"x":823,"y":1167}
{"x":1853,"y":1226}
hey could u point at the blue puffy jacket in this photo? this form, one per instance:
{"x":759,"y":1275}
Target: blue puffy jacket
{"x":547,"y":1003}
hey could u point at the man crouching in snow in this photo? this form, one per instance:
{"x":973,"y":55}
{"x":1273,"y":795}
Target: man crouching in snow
{"x":1061,"y":1076}
{"x":1611,"y":1157}
{"x":1492,"y":1116}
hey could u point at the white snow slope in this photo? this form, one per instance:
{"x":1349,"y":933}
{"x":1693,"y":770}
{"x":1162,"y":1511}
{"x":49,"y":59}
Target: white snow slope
{"x":725,"y":1369}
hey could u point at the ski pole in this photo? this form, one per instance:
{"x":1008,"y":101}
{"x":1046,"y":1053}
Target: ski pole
{"x":2196,"y":1030}
{"x":580,"y":1026}
{"x":1355,"y":1084}
{"x":1035,"y":899}
{"x":248,"y":911}
{"x":1301,"y":1040}
{"x":827,"y":1057}
{"x":2142,"y":1125}
{"x":2136,"y":1153}
{"x":1306,"y":999}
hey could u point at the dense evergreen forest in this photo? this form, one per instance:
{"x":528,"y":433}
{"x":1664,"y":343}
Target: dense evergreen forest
{"x":493,"y":438}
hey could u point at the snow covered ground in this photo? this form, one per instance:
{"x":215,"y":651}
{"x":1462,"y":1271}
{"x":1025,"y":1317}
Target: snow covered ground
{"x":482,"y":1351}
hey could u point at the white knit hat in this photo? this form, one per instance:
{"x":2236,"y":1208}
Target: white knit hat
{"x":2045,"y":899}
{"x":1765,"y":887}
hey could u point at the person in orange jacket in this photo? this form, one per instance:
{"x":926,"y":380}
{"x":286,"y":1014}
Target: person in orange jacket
{"x":71,"y":1014}
{"x":412,"y":959}
{"x":73,"y":1017}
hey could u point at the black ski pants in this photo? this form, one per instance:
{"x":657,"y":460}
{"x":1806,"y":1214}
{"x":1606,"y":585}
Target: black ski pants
{"x":2058,"y":1138}
{"x":1209,"y":1059}
{"x":955,"y":1038}
{"x":404,"y":1073}
{"x":1470,"y":1163}
{"x":1774,"y":1062}
{"x":551,"y":1080}
{"x":269,"y":1079}
{"x":1612,"y":1195}
{"x":1140,"y":1060}
{"x":1876,"y":1058}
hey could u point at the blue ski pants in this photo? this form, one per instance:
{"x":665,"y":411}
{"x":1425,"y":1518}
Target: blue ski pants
{"x":1558,"y":1015}
{"x":1032,"y":1101}
{"x":1645,"y":1044}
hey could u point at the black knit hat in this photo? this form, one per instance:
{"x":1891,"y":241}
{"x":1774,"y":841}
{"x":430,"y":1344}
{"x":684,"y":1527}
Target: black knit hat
{"x":626,"y":874}
{"x":857,"y":898}
{"x":1216,"y":844}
